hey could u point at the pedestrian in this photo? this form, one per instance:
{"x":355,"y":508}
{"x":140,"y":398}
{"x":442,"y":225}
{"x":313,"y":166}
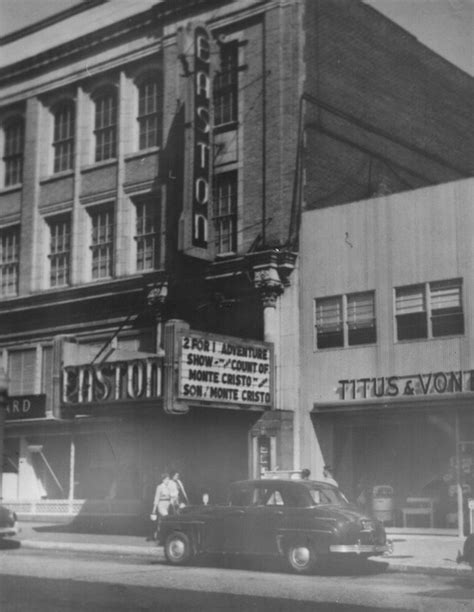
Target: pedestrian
{"x":161,"y":502}
{"x":179,"y":498}
{"x":328,"y":477}
{"x":205,"y":497}
{"x":305,"y":474}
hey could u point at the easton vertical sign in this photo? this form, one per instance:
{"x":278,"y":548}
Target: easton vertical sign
{"x":195,"y":52}
{"x":224,"y":369}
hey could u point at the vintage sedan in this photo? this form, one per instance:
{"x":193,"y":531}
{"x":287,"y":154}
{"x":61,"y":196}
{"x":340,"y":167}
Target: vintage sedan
{"x":8,"y":522}
{"x":304,"y":521}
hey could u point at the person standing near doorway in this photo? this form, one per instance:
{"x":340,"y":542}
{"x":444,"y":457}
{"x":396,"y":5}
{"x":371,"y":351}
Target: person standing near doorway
{"x":328,"y":475}
{"x":179,"y":497}
{"x":162,"y":500}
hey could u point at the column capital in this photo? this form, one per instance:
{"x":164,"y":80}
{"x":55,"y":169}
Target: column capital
{"x":268,"y":284}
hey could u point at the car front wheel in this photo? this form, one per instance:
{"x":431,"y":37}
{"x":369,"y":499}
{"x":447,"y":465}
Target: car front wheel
{"x":178,"y":548}
{"x":301,"y":558}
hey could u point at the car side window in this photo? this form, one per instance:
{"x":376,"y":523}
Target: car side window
{"x":275,"y":499}
{"x":241,"y":497}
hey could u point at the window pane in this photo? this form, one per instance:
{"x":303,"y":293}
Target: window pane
{"x":446,"y":308}
{"x":102,"y":243}
{"x":149,"y":115}
{"x":329,"y":322}
{"x":361,"y":318}
{"x":59,"y":255}
{"x":105,"y":126}
{"x":63,"y":144}
{"x":225,"y":86}
{"x":9,"y":261}
{"x":225,"y":212}
{"x":147,"y":235}
{"x":13,"y":152}
{"x":411,"y":316}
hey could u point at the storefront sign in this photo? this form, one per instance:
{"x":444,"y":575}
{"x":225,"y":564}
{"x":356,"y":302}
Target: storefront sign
{"x":225,"y":370}
{"x":195,"y":44}
{"x":112,"y":381}
{"x":25,"y":407}
{"x":432,"y":383}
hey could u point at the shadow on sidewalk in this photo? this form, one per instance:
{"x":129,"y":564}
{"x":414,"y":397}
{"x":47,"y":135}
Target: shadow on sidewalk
{"x":98,"y":524}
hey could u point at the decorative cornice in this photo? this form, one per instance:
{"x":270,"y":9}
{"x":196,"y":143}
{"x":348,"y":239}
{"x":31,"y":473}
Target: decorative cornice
{"x":157,"y":15}
{"x":49,"y":21}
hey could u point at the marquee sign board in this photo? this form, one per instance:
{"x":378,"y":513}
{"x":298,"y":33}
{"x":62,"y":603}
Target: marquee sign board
{"x":225,"y":370}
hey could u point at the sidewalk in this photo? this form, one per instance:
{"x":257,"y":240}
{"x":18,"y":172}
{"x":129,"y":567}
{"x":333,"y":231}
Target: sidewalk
{"x":411,"y":553}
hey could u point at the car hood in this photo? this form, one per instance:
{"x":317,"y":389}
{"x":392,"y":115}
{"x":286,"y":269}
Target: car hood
{"x":347,"y":513}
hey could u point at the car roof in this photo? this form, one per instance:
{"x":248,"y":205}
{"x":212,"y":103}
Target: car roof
{"x":281,"y":482}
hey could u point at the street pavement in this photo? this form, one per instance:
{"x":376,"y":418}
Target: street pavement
{"x":433,"y":554}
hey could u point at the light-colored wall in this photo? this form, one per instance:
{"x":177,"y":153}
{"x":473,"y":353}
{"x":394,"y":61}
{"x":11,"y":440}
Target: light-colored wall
{"x":414,"y":237}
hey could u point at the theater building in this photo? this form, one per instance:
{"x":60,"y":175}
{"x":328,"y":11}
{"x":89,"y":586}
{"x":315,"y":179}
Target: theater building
{"x":157,"y":159}
{"x":387,"y":334}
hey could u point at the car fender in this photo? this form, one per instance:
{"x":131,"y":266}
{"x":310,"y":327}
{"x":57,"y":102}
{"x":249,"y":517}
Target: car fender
{"x":318,"y":539}
{"x":193,"y":529}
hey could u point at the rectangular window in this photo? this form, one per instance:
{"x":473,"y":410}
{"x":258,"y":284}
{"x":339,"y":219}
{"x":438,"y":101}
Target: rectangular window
{"x":361,"y":319}
{"x":14,"y":140}
{"x":147,"y":235}
{"x":329,"y":322}
{"x":105,"y":127}
{"x":9,"y":260}
{"x":225,"y":212}
{"x":226,"y":86}
{"x":345,"y":320}
{"x":429,"y":310}
{"x":22,"y":370}
{"x":446,"y":308}
{"x":102,"y":243}
{"x":63,"y":141}
{"x":149,"y":115}
{"x":59,"y":251}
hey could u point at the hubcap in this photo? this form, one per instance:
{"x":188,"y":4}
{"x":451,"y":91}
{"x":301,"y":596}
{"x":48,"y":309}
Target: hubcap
{"x":176,"y":549}
{"x":300,"y":556}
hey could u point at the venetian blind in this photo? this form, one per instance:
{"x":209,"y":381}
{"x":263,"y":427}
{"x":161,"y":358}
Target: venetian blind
{"x":22,"y":372}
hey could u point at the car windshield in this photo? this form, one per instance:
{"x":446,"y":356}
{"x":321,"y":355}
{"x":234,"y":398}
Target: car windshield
{"x":325,"y":494}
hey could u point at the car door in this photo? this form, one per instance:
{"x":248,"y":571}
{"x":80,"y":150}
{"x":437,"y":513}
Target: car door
{"x":264,"y":520}
{"x":235,"y":519}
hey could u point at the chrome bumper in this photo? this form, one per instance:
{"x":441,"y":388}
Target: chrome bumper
{"x":9,"y":531}
{"x":362,"y":549}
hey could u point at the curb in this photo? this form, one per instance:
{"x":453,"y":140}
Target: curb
{"x":157,"y":553}
{"x":107,"y":549}
{"x":405,"y":568}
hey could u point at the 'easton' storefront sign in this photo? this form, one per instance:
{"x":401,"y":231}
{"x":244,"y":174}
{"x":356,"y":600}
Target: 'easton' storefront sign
{"x":138,"y":379}
{"x":225,"y":370}
{"x":432,"y":383}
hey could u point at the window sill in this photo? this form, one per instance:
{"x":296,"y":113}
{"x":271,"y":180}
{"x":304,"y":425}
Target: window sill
{"x":57,"y":176}
{"x":101,"y":164}
{"x":142,"y":153}
{"x":344,"y":348}
{"x":431,"y":339}
{"x":11,"y":188}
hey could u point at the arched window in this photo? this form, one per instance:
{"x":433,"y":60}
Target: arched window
{"x":63,"y":138}
{"x":14,"y":141}
{"x":105,"y":125}
{"x":149,"y":114}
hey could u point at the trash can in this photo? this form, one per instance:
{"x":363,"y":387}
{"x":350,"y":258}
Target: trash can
{"x":382,"y":503}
